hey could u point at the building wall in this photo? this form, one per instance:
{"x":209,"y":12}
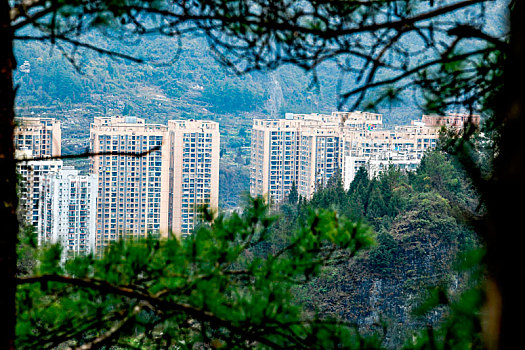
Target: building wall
{"x":41,"y":136}
{"x":132,"y":200}
{"x":67,"y":211}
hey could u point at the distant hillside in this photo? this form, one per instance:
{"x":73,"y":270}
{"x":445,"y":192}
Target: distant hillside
{"x":188,"y":83}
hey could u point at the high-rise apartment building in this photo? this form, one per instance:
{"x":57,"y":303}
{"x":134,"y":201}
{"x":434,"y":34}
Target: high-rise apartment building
{"x":67,"y":210}
{"x":35,"y":138}
{"x":302,"y":148}
{"x":274,"y":157}
{"x":319,"y":153}
{"x":159,"y":192}
{"x":194,"y":152}
{"x":31,"y":173}
{"x":131,"y":190}
{"x":41,"y":136}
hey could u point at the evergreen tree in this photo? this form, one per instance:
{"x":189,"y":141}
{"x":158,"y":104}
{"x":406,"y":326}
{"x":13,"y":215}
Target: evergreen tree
{"x":293,"y":195}
{"x":376,"y":207}
{"x":360,"y":180}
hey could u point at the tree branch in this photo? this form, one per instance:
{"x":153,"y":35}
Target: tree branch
{"x":113,"y":331}
{"x":78,"y":43}
{"x":413,"y":71}
{"x":91,"y":154}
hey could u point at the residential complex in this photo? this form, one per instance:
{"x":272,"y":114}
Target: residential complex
{"x":146,"y":179}
{"x":307,"y":149}
{"x":153,"y":179}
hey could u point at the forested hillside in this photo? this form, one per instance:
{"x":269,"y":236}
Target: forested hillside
{"x":180,"y":80}
{"x":420,"y":235}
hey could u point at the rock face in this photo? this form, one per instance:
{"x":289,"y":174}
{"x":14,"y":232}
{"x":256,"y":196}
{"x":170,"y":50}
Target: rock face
{"x":384,"y":286}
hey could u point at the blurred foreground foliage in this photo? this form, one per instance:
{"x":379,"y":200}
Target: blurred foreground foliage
{"x":215,"y":289}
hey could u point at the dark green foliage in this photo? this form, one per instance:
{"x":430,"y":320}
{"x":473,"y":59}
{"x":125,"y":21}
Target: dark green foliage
{"x":386,"y":255}
{"x":462,"y":328}
{"x":293,"y":195}
{"x":437,"y":173}
{"x":26,"y":251}
{"x":434,"y":213}
{"x":376,"y":206}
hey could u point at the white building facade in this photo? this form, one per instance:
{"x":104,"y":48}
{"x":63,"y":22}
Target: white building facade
{"x":67,"y":211}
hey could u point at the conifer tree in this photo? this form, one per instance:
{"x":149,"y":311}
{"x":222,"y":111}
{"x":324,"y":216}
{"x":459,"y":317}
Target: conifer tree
{"x":293,"y":195}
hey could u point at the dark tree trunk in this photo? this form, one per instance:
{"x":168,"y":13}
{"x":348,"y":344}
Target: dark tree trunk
{"x":505,"y":200}
{"x":8,"y":195}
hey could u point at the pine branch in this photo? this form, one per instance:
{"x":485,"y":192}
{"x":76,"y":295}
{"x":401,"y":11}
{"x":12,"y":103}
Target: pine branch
{"x":156,"y":302}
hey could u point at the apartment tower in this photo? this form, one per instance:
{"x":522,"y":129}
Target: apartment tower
{"x":157,"y":193}
{"x":194,"y":148}
{"x":41,"y":136}
{"x":67,"y":210}
{"x":38,"y":138}
{"x":302,"y":148}
{"x":131,"y":189}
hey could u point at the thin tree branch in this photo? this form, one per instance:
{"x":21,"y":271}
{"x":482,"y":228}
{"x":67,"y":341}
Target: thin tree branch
{"x":78,"y":43}
{"x":467,"y":31}
{"x":91,"y":154}
{"x":113,"y":331}
{"x":413,"y":71}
